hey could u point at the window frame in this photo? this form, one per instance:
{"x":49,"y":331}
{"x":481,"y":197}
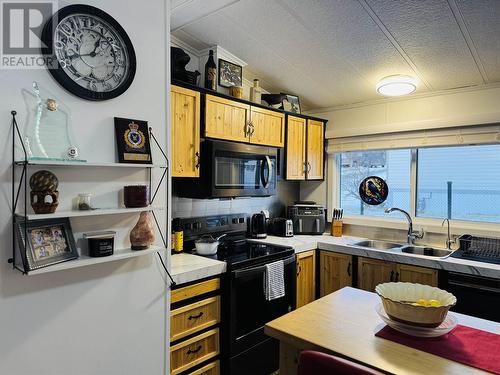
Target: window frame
{"x":457,"y":227}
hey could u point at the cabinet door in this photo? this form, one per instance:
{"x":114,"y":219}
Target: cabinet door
{"x":295,"y":148}
{"x":419,"y":275}
{"x":185,"y":132}
{"x":267,"y":127}
{"x":315,"y":150}
{"x":226,"y":119}
{"x":306,"y":277}
{"x":372,"y":272}
{"x":335,"y":272}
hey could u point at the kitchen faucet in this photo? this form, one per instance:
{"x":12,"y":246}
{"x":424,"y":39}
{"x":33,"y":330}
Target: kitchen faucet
{"x":449,"y":241}
{"x":412,"y":235}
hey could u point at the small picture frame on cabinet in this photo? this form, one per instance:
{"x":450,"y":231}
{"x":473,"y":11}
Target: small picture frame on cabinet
{"x":45,"y":242}
{"x":230,"y":74}
{"x":132,"y":141}
{"x":291,"y":103}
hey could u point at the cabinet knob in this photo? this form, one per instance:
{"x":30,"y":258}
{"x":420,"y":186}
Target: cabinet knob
{"x":197,"y":157}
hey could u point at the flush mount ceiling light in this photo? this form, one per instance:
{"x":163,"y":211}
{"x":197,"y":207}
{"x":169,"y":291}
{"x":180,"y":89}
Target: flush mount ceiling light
{"x":396,"y":85}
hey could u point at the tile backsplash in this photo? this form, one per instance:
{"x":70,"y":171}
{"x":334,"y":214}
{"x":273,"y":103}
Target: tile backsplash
{"x":286,"y":194}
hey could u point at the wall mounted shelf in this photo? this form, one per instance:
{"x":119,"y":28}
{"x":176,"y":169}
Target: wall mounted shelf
{"x":96,"y":212}
{"x":55,"y":163}
{"x":84,"y":260}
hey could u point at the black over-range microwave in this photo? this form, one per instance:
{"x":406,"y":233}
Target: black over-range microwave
{"x":230,"y":169}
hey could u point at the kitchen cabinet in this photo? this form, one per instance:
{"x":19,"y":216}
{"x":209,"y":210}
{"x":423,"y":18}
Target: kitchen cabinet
{"x":419,"y":275}
{"x":267,"y":127}
{"x":304,"y":148}
{"x":306,"y":277}
{"x":226,"y":119}
{"x":185,"y":132}
{"x":296,"y":148}
{"x":372,"y":272}
{"x":315,"y":150}
{"x":194,"y":334}
{"x":335,"y":272}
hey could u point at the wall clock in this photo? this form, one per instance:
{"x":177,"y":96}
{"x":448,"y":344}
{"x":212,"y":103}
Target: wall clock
{"x":95,"y":57}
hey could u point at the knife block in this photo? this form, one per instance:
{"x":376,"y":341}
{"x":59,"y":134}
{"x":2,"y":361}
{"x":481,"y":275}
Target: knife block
{"x":337,"y":228}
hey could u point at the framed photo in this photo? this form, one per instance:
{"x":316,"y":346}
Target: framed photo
{"x":230,"y":74}
{"x":132,"y":141}
{"x":46,"y":242}
{"x":291,"y":103}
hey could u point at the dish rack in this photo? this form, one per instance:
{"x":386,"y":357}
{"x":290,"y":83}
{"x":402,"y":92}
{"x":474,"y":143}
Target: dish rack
{"x":482,"y":249}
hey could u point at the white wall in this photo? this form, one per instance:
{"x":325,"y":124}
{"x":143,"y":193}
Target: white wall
{"x":110,"y":318}
{"x":454,"y":108}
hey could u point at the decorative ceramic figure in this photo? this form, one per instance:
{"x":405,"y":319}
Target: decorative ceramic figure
{"x":143,"y":234}
{"x":44,"y":195}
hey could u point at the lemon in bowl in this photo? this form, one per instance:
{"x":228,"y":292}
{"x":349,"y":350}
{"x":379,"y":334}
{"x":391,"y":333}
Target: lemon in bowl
{"x":415,"y":304}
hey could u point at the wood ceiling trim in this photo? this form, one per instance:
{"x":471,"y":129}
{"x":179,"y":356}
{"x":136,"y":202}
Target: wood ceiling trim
{"x":468,"y":39}
{"x":394,"y":42}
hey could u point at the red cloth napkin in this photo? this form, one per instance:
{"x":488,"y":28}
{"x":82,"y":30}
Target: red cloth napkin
{"x":466,"y":345}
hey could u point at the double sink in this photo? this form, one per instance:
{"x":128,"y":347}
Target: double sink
{"x":409,"y":249}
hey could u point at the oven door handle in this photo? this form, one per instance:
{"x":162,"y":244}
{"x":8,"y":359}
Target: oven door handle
{"x":265,"y":181}
{"x":259,"y":269}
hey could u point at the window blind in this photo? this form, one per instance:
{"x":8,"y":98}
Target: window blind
{"x":471,"y":135}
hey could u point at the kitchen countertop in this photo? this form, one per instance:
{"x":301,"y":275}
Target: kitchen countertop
{"x":343,"y":245}
{"x":189,"y":267}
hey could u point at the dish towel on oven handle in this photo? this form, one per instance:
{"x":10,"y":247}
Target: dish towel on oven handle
{"x":274,"y":280}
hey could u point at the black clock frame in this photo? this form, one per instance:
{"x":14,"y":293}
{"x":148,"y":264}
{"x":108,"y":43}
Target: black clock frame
{"x":60,"y":75}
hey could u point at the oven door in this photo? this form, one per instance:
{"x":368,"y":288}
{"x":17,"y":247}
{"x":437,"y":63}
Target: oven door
{"x":243,"y":170}
{"x":249,"y":309}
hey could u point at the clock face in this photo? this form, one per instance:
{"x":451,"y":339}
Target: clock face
{"x":95,"y":57}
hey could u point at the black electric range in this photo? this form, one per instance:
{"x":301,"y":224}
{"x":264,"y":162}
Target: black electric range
{"x":245,"y":349}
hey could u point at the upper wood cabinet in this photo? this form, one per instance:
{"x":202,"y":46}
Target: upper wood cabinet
{"x":306,"y":277}
{"x":372,"y":272}
{"x":185,"y":132}
{"x":296,"y":148}
{"x":226,"y":119}
{"x":267,"y":127}
{"x":335,"y":272}
{"x":304,"y":149}
{"x":315,"y":149}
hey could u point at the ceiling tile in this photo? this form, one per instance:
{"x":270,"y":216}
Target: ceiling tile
{"x":482,"y":18}
{"x":429,"y":34}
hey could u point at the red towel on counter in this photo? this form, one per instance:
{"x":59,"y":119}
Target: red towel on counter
{"x":466,"y":345}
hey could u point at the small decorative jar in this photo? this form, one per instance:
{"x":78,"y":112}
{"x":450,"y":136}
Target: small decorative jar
{"x":136,"y":196}
{"x":256,"y":92}
{"x":84,"y":201}
{"x":236,"y":91}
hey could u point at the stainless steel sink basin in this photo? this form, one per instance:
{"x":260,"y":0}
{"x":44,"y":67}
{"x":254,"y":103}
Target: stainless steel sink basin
{"x":379,"y":245}
{"x":427,"y":251}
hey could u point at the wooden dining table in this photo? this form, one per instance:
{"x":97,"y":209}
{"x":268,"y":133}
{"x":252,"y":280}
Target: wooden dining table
{"x":344,"y":323}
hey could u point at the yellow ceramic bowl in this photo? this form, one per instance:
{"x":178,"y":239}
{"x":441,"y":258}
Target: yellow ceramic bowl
{"x":397,"y":299}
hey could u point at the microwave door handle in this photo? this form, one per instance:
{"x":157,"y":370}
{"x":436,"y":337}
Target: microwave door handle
{"x":265,"y":181}
{"x":259,"y":269}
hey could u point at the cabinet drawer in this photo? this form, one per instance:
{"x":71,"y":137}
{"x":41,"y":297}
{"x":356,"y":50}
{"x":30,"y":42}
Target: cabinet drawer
{"x":210,"y":369}
{"x":194,"y":290}
{"x":194,"y":317}
{"x":191,"y":352}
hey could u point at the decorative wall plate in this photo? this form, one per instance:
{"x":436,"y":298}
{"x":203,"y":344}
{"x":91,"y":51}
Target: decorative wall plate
{"x":373,"y":190}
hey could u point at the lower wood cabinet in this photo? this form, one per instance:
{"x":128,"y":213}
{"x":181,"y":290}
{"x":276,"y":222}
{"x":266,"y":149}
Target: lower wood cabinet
{"x":194,"y":351}
{"x":335,"y":272}
{"x":306,"y":277}
{"x":372,"y":272}
{"x":194,"y":328}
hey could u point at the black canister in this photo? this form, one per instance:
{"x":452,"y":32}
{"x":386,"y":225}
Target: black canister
{"x":101,"y":244}
{"x":136,"y":196}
